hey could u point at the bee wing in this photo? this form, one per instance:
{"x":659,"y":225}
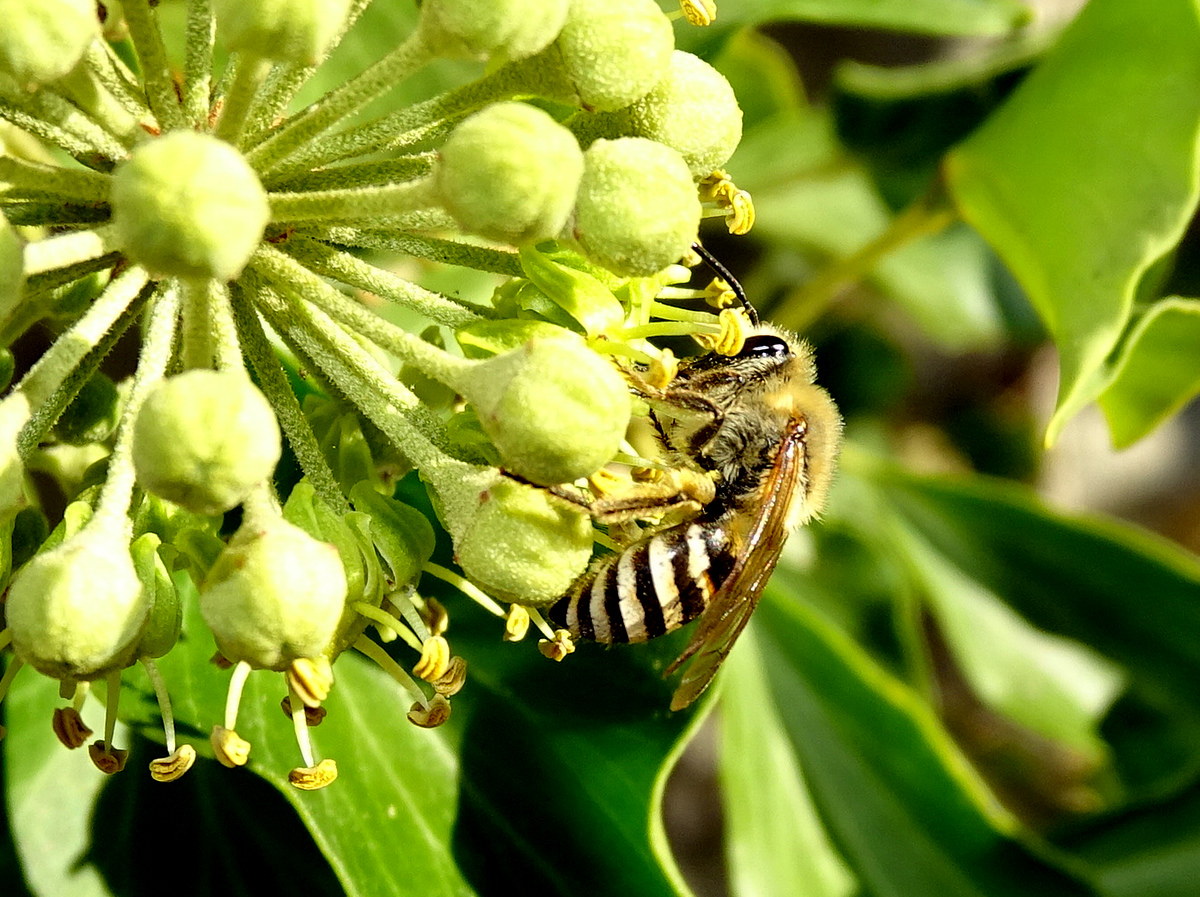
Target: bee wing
{"x":729,"y":611}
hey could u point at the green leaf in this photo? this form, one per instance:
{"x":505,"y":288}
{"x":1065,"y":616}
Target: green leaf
{"x":1049,"y":684}
{"x":1085,"y":578}
{"x":1079,"y":227}
{"x":979,"y":17}
{"x":1149,"y":851}
{"x":908,"y":814}
{"x":774,"y":840}
{"x":1158,"y":370}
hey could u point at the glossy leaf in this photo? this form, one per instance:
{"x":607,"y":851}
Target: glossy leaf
{"x":1158,"y":371}
{"x":1077,"y":226}
{"x":907,"y":812}
{"x":776,"y":845}
{"x":1131,"y":596}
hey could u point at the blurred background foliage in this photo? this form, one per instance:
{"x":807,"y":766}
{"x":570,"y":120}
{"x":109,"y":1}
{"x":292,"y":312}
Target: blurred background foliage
{"x":975,"y":676}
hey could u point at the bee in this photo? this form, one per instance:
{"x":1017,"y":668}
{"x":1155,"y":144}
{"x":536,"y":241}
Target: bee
{"x":758,"y":429}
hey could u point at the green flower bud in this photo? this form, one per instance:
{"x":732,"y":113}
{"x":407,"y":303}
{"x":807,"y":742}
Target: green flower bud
{"x":92,"y":415}
{"x":76,"y":611}
{"x":204,"y":439}
{"x":637,"y":209}
{"x":693,"y":111}
{"x":554,"y":409}
{"x":524,"y":545}
{"x":40,"y":42}
{"x":188,"y":205}
{"x":609,"y":54}
{"x":512,"y":29}
{"x":510,"y":173}
{"x":296,"y":31}
{"x":274,"y":595}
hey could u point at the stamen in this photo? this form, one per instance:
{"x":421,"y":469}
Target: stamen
{"x":313,"y":778}
{"x":699,"y":12}
{"x":70,"y":728}
{"x":516,"y":623}
{"x":435,"y":659}
{"x":173,"y":766}
{"x":310,"y":679}
{"x":229,"y":748}
{"x":558,"y":647}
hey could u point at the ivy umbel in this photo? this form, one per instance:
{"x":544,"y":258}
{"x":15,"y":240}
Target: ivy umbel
{"x":247,"y":242}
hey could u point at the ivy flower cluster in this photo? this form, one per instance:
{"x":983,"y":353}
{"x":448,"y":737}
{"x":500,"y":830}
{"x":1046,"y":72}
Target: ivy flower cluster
{"x":241,"y":238}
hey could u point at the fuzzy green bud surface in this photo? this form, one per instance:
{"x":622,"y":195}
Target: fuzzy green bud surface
{"x":637,"y":209}
{"x":523,"y":544}
{"x":512,"y":29}
{"x":610,"y":54}
{"x":40,"y":42}
{"x":694,"y":111}
{"x":296,"y":31}
{"x":510,"y":173}
{"x":188,"y":205}
{"x":204,"y":439}
{"x":76,"y":611}
{"x":274,"y":595}
{"x":554,"y":409}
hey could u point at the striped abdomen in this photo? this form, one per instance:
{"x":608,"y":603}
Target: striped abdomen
{"x":651,"y":588}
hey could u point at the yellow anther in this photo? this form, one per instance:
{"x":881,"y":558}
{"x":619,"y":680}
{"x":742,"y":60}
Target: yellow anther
{"x":311,"y":778}
{"x":69,"y":727}
{"x":737,"y":204}
{"x":607,"y":482}
{"x":735,"y":327}
{"x":310,"y":678}
{"x":740,"y":216}
{"x":663,"y":369}
{"x":718,"y":294}
{"x":516,"y":623}
{"x":435,"y":659}
{"x":229,"y":747}
{"x":452,"y":681}
{"x":558,"y":647}
{"x":313,"y":716}
{"x":431,"y":715}
{"x":174,"y":765}
{"x":106,"y":759}
{"x":699,"y":12}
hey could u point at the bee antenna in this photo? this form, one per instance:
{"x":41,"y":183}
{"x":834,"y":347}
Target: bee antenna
{"x":724,"y":273}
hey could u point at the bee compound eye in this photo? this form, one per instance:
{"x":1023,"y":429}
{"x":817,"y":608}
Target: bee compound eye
{"x":764,"y":346}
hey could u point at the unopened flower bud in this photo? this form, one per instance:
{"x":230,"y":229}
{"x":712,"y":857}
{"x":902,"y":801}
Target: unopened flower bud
{"x":274,"y":595}
{"x":510,"y":173}
{"x":188,"y":205}
{"x":555,"y":410}
{"x":524,"y":545}
{"x":608,"y":54}
{"x":40,"y":42}
{"x":512,"y":29}
{"x":76,"y":611}
{"x":204,"y":439}
{"x":296,"y":31}
{"x":692,"y":110}
{"x":637,"y":209}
